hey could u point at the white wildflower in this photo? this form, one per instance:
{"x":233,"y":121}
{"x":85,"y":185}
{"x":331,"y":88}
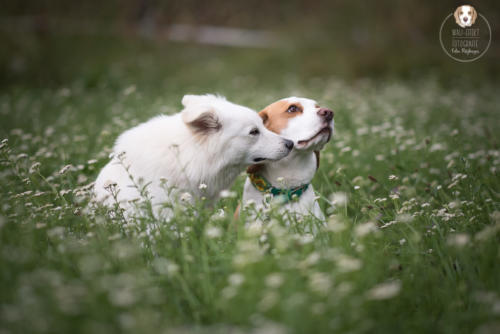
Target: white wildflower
{"x":404,"y":218}
{"x":227,"y":194}
{"x":488,"y":232}
{"x":122,"y":297}
{"x":129,"y":90}
{"x":268,"y":301}
{"x":402,"y":241}
{"x":34,"y":168}
{"x":338,"y":198}
{"x":357,"y":187}
{"x":274,"y":280}
{"x":213,"y":232}
{"x":437,"y":147}
{"x":320,"y":283}
{"x":347,"y":263}
{"x":202,"y":186}
{"x":236,"y":279}
{"x":65,"y":169}
{"x":109,"y":184}
{"x":165,"y":267}
{"x":458,"y":239}
{"x":334,"y":224}
{"x":380,"y":200}
{"x":82,"y":179}
{"x":254,"y":228}
{"x":306,"y":239}
{"x":345,"y":149}
{"x":393,"y":177}
{"x":249,"y":203}
{"x":21,"y":156}
{"x":311,"y":259}
{"x":186,"y":197}
{"x":366,"y":228}
{"x":384,"y":290}
{"x":56,"y":232}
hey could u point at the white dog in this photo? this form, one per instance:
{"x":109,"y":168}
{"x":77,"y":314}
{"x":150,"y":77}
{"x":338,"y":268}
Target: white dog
{"x":200,"y":150}
{"x":465,"y":16}
{"x":310,"y":128}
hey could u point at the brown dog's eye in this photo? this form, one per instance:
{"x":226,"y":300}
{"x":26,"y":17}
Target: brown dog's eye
{"x":293,"y":108}
{"x":461,"y":13}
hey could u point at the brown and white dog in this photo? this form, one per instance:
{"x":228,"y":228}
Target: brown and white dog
{"x":310,"y":127}
{"x":465,"y":16}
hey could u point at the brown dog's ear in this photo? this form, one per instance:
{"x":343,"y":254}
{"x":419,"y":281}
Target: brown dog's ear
{"x":456,"y":15}
{"x":474,"y":15}
{"x":265,"y":117}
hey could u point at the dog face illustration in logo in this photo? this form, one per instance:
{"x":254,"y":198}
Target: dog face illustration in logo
{"x":465,"y":16}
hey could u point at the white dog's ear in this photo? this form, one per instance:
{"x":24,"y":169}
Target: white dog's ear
{"x":189,"y":100}
{"x":199,"y":115}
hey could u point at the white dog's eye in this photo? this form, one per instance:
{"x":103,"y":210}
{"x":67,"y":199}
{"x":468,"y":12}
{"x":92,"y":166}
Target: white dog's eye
{"x":292,"y":108}
{"x":254,"y":132}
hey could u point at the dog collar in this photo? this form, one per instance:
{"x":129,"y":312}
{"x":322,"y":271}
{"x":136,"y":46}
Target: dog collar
{"x":261,"y":184}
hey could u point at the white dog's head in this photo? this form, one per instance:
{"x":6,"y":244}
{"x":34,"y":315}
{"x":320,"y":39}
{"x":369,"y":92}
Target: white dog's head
{"x":465,"y":16}
{"x":240,"y":132}
{"x":301,"y":120}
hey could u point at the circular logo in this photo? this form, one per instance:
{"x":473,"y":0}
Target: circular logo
{"x":465,"y":35}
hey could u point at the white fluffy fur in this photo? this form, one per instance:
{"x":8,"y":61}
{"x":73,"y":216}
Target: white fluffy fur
{"x":299,"y":166}
{"x":171,"y":147}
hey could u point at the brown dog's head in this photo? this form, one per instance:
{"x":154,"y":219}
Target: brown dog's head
{"x":465,"y":16}
{"x":301,"y":120}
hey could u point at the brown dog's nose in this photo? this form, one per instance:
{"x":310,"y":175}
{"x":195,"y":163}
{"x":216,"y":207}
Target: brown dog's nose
{"x":326,"y":113}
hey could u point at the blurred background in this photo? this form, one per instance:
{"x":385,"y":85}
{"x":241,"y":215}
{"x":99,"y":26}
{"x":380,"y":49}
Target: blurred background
{"x":50,"y":43}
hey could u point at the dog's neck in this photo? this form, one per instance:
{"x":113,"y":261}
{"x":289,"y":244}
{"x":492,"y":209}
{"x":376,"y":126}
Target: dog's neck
{"x":296,"y":169}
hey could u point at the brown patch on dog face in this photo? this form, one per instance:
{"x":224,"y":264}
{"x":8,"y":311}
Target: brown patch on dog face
{"x":457,"y":14}
{"x":205,"y":123}
{"x":276,"y":115}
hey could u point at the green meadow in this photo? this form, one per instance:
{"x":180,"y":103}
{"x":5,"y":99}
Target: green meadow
{"x":409,"y":183}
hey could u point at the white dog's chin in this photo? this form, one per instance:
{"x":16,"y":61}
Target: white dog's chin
{"x":280,"y":156}
{"x":317,"y":140}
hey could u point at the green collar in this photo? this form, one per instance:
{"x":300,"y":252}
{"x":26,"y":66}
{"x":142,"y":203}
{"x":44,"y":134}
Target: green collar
{"x":261,"y":184}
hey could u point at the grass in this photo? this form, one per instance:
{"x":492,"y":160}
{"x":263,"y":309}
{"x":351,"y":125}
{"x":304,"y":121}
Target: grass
{"x":411,"y":244}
